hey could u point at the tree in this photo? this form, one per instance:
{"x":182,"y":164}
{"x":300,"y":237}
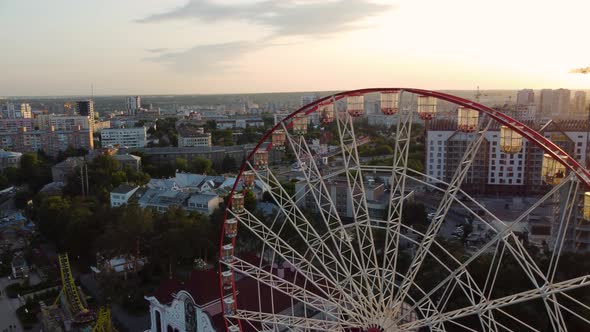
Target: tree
{"x":52,"y":217}
{"x":21,"y":198}
{"x":414,"y":214}
{"x":11,"y":174}
{"x":181,"y":164}
{"x":228,"y":164}
{"x":201,"y":165}
{"x":250,"y":201}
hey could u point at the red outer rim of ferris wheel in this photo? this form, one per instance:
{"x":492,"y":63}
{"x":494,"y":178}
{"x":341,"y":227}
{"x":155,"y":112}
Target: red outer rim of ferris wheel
{"x":531,"y":135}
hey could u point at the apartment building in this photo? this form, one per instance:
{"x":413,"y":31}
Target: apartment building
{"x":189,"y":136}
{"x":50,"y":141}
{"x":125,"y":137}
{"x":494,"y":171}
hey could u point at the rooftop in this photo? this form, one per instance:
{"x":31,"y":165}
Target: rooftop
{"x":124,"y":157}
{"x":123,"y":189}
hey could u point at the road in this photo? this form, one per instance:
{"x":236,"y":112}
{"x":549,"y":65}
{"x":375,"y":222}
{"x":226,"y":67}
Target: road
{"x":452,"y":219}
{"x":8,"y":308}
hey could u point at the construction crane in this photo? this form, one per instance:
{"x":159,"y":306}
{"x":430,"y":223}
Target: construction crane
{"x":478,"y":94}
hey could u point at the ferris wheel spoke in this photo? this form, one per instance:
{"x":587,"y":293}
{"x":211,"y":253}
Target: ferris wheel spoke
{"x":310,"y":297}
{"x":329,"y":257}
{"x":573,"y":312}
{"x":517,"y":298}
{"x":279,"y":322}
{"x":316,"y":188}
{"x":501,"y":235}
{"x":468,"y":286}
{"x":502,"y":311}
{"x":354,"y":178}
{"x":308,"y":270}
{"x":563,"y":228}
{"x":397,"y":193}
{"x":443,"y":208}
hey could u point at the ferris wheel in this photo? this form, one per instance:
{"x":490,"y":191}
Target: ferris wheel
{"x":340,"y":253}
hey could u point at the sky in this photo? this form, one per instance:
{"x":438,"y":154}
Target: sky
{"x":62,"y":47}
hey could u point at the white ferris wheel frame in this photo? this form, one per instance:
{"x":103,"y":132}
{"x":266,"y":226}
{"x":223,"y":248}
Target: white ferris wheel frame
{"x":342,"y":287}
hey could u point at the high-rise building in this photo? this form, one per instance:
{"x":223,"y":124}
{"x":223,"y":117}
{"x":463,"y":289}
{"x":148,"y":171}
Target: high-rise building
{"x":25,"y":111}
{"x":11,"y":111}
{"x":546,"y":102}
{"x":580,"y":102}
{"x":525,"y":97}
{"x":561,"y":103}
{"x":133,"y":105}
{"x":86,"y":108}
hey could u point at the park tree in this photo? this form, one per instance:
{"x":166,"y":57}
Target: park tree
{"x":228,"y":164}
{"x":201,"y":165}
{"x":181,"y":164}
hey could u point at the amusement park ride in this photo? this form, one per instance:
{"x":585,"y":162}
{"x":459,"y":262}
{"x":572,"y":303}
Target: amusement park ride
{"x":70,"y":311}
{"x":345,"y":275}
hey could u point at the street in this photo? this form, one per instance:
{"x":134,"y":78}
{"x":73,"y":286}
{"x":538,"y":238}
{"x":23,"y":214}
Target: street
{"x":8,"y":308}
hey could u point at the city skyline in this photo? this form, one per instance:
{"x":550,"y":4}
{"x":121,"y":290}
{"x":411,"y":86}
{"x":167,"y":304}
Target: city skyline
{"x":207,"y":46}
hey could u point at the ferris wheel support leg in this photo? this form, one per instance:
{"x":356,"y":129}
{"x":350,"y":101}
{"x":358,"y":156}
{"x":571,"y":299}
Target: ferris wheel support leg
{"x":362,"y":220}
{"x":443,"y":208}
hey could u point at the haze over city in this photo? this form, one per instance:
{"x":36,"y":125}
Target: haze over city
{"x":213,"y":46}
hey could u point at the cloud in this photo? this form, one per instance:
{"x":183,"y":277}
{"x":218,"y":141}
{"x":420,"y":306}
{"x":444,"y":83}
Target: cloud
{"x":157,"y":50}
{"x":581,"y":70}
{"x":206,"y":59}
{"x":284,"y":17}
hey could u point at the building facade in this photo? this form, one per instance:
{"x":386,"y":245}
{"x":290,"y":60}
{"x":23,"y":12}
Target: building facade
{"x":561,"y":103}
{"x":494,"y":171}
{"x":59,"y":122}
{"x":127,"y":137}
{"x":50,"y":141}
{"x":189,"y":136}
{"x":580,"y":103}
{"x":525,"y":97}
{"x":121,"y":195}
{"x":9,"y":159}
{"x":133,"y":105}
{"x":546,"y":102}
